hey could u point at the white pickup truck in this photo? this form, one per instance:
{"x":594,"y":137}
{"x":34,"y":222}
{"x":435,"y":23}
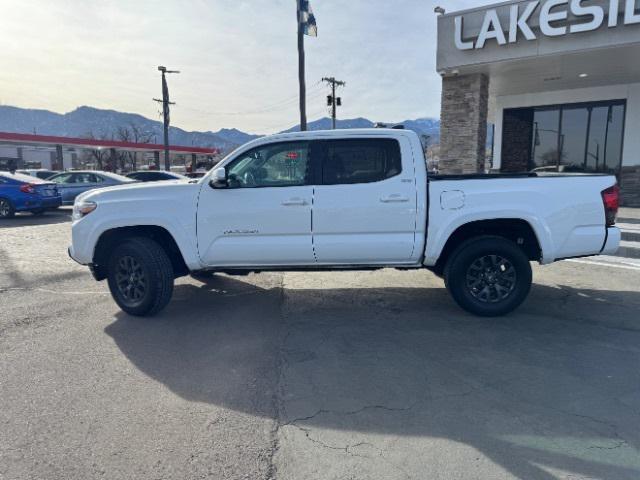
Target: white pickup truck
{"x":349,"y":199}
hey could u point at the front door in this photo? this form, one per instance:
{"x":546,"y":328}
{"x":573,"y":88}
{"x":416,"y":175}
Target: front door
{"x":365,"y":208}
{"x":263,"y":216}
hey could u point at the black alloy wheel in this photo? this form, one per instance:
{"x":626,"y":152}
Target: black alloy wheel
{"x":491,"y":278}
{"x":131,"y":280}
{"x":488,"y":275}
{"x":140,"y":276}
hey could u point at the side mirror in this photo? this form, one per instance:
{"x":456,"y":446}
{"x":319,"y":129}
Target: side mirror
{"x":219,"y":178}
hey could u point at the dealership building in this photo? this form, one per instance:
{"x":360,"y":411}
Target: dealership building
{"x":543,"y":85}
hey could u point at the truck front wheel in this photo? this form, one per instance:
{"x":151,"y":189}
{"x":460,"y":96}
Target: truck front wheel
{"x":488,"y":276}
{"x":140,"y":276}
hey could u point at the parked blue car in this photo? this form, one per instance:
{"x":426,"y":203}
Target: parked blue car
{"x":23,"y":193}
{"x":72,"y":184}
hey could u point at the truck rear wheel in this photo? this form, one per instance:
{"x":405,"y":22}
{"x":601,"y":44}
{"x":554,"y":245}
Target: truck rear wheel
{"x":488,"y":276}
{"x":140,"y":276}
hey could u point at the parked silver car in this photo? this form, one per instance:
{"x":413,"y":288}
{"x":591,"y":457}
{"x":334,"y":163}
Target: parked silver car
{"x":72,"y":184}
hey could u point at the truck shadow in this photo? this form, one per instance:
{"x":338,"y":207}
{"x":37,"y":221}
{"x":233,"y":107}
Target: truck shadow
{"x":554,"y":386}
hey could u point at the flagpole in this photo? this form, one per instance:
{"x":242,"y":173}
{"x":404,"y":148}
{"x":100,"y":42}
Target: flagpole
{"x":301,"y":81}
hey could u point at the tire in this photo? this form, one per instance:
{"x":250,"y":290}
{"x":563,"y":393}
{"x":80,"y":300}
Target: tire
{"x":6,"y":209}
{"x":488,"y":276}
{"x":140,"y":276}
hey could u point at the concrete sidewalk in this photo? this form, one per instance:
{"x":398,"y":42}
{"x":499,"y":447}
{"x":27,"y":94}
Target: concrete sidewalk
{"x":629,"y":222}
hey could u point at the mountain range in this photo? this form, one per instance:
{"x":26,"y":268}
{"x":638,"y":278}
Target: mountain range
{"x":88,"y":121}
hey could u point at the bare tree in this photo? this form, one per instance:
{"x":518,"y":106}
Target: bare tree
{"x":135,"y":134}
{"x":99,"y":155}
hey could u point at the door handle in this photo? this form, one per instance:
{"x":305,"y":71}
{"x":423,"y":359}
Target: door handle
{"x":394,"y":198}
{"x":294,"y":202}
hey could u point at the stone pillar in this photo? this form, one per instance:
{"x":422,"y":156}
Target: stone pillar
{"x":20,"y":160}
{"x":59,"y":158}
{"x":113,"y":160}
{"x":463,"y":124}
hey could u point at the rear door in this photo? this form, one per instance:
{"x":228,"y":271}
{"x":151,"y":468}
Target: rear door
{"x":365,"y":206}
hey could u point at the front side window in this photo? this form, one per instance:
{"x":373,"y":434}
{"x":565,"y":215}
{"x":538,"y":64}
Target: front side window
{"x":276,"y":165}
{"x":360,"y":161}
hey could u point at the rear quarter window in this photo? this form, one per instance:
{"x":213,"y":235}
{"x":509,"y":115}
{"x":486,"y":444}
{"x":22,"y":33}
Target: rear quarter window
{"x":352,"y":161}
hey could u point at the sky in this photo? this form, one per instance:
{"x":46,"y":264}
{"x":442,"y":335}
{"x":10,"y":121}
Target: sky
{"x":237,"y":58}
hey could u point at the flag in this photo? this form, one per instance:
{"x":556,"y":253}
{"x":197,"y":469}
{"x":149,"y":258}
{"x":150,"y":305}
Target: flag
{"x":307,"y":19}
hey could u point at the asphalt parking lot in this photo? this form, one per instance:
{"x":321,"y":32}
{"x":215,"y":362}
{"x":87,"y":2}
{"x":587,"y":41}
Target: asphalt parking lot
{"x":354,"y":375}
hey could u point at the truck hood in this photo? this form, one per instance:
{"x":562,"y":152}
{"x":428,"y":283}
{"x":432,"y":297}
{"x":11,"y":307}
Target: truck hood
{"x":164,"y":190}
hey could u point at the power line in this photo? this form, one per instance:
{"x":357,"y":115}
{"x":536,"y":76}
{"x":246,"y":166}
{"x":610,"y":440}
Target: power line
{"x":285,"y":103}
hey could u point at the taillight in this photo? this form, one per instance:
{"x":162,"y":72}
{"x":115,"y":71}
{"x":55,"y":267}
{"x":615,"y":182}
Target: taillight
{"x":28,"y":188}
{"x":611,"y":201}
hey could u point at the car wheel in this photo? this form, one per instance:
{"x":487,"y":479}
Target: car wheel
{"x":6,"y":208}
{"x":140,"y":276}
{"x":488,"y":276}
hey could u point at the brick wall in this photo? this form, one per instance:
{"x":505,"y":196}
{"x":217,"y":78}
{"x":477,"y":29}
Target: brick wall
{"x":517,"y":134}
{"x":463,"y":123}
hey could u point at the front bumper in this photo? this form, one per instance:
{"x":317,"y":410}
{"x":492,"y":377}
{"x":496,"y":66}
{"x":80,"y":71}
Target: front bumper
{"x":612,"y":243}
{"x":70,"y":253}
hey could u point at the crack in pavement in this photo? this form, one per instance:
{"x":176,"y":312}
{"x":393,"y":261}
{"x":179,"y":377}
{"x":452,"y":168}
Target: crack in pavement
{"x":352,"y":412}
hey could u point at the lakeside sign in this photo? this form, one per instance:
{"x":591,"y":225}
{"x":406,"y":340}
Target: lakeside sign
{"x":552,"y":16}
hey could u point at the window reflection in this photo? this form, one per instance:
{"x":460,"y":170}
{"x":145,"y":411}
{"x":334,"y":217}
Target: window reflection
{"x":573,"y":137}
{"x":546,"y":138}
{"x":614,"y":137}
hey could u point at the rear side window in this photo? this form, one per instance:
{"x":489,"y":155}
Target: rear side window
{"x":360,"y":161}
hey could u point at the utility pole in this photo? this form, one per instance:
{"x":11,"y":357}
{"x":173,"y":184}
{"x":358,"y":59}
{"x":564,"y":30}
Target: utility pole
{"x":332,"y":100}
{"x":165,"y":113}
{"x":301,"y":80}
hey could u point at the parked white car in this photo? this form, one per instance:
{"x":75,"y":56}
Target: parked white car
{"x":348,"y":199}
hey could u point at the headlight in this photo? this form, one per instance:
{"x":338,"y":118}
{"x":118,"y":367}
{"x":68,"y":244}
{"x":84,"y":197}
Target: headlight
{"x":82,"y":208}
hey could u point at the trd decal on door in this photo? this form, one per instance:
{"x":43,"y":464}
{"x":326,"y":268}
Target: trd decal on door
{"x":241,"y":232}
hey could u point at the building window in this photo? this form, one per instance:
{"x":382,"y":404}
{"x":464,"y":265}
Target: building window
{"x":585,"y":137}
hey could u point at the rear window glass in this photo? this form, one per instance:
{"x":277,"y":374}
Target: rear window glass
{"x":360,"y":161}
